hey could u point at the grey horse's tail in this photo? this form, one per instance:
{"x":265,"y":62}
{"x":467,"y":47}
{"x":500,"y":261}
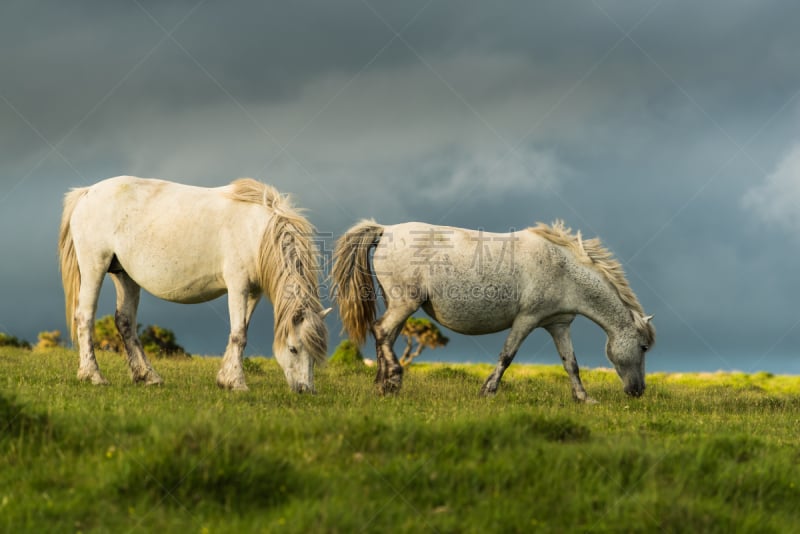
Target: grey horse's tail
{"x":352,"y":279}
{"x":70,"y":272}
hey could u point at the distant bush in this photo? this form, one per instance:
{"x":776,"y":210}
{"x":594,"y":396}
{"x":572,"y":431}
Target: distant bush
{"x":424,"y":333}
{"x":347,"y":353}
{"x":7,"y":340}
{"x":161,"y":342}
{"x":156,"y":341}
{"x":48,"y":340}
{"x":106,"y":336}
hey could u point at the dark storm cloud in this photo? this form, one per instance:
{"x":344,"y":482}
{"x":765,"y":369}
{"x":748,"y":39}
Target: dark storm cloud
{"x":668,"y":129}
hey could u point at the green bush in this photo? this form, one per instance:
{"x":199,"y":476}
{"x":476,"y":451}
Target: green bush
{"x":106,"y":336}
{"x":347,"y":353}
{"x":7,"y":340}
{"x":159,"y":341}
{"x":156,"y":341}
{"x":48,"y":340}
{"x":424,"y":333}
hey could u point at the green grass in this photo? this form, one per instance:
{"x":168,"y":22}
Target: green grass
{"x":697,"y":453}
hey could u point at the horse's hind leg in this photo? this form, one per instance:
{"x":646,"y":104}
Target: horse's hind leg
{"x":390,"y":373}
{"x":125,"y":318}
{"x":91,"y":279}
{"x":519,"y":331}
{"x":563,"y":341}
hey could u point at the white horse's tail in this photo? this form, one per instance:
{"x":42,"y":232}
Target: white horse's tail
{"x":352,"y":278}
{"x":70,"y":272}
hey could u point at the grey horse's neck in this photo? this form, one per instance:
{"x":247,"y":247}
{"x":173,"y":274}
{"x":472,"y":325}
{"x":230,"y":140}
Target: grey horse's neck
{"x":602,"y":305}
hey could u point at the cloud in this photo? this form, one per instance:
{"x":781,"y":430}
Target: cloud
{"x":777,"y":201}
{"x":493,"y":174}
{"x":402,"y":130}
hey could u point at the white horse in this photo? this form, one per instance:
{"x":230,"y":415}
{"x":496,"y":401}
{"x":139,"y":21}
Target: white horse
{"x":475,"y":282}
{"x":193,"y":244}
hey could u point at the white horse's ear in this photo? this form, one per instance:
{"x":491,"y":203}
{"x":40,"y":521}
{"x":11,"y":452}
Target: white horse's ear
{"x":324,"y":313}
{"x":648,"y":318}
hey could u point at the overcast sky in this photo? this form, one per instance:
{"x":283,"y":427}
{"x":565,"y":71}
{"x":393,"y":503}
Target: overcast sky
{"x":668,"y":129}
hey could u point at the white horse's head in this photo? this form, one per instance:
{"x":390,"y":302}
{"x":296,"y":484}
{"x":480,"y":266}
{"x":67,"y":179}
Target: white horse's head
{"x":305,"y":344}
{"x":626,"y":351}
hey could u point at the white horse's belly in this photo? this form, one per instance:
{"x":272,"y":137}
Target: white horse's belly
{"x":200,"y":290}
{"x":175,"y":274}
{"x":183,"y":285}
{"x":471,"y":317}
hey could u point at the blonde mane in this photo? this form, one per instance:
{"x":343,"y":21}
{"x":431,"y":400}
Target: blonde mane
{"x":288,"y":266}
{"x":592,"y":253}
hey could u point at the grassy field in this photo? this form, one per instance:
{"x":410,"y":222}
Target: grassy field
{"x":698,"y":453}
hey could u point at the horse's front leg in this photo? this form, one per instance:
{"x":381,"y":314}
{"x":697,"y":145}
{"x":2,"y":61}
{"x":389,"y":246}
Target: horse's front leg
{"x":125,"y":318}
{"x":519,"y":331}
{"x":231,"y":374}
{"x":563,"y":341}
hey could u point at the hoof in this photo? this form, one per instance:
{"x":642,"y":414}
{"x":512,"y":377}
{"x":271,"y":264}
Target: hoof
{"x":389,"y":387}
{"x":237,"y":385}
{"x":585,"y":399}
{"x":94,"y":377}
{"x":489,"y":388}
{"x":154,"y":380}
{"x":232,"y":379}
{"x":488,"y":392}
{"x":149,"y":379}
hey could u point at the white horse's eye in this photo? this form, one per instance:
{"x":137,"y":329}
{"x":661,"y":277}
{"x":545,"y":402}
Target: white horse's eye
{"x":292,"y":349}
{"x":644,"y":348}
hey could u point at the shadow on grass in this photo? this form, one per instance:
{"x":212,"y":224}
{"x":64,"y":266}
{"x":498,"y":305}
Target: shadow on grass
{"x":16,"y":420}
{"x":197,"y":468}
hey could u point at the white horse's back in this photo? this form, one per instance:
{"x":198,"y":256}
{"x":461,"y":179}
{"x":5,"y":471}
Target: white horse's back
{"x":135,"y":221}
